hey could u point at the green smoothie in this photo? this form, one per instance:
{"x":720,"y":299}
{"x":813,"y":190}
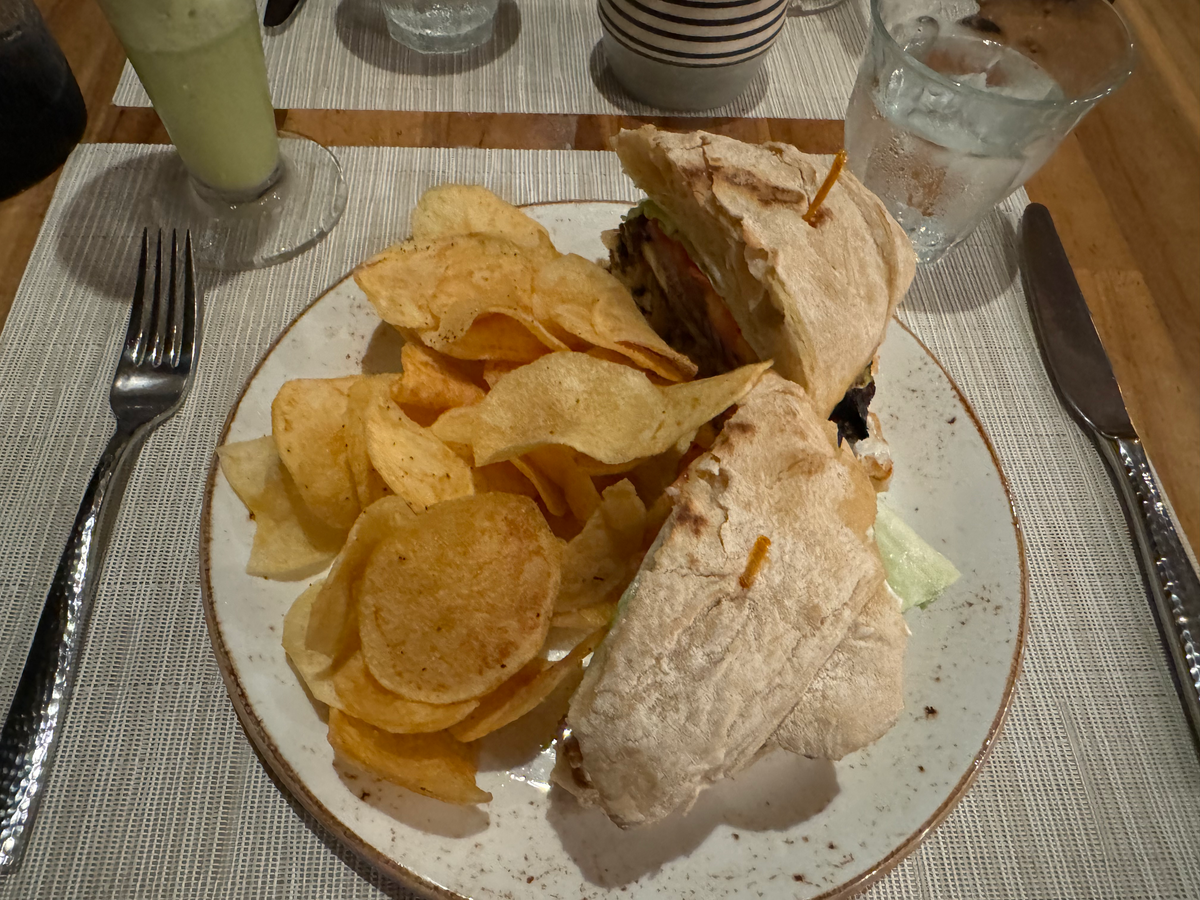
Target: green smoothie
{"x":201,"y":62}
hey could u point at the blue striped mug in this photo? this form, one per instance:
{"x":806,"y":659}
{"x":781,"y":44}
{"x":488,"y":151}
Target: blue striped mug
{"x":688,"y":54}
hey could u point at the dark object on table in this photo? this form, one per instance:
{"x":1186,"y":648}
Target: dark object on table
{"x":1083,"y":379}
{"x":278,"y":12}
{"x":42,"y":115}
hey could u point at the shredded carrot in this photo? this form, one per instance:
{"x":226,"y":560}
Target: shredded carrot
{"x":754,"y":562}
{"x":835,"y":170}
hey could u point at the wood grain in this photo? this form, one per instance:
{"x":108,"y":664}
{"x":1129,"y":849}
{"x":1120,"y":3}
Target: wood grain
{"x":1124,"y":191}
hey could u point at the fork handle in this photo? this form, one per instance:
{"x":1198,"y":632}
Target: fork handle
{"x":1173,"y":586}
{"x":34,"y":722}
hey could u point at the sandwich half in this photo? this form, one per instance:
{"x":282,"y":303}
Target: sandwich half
{"x":728,"y":270}
{"x":718,"y":651}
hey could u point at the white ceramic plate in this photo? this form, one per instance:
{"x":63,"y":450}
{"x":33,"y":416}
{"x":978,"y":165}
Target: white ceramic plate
{"x":788,"y":827}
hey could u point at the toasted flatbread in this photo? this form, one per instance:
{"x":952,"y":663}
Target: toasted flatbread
{"x":815,"y":299}
{"x":703,"y":665}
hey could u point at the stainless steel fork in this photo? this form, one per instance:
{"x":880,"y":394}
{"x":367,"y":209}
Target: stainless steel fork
{"x":152,"y":378}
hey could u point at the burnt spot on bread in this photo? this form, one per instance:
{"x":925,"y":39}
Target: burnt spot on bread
{"x":687,"y":516}
{"x":763,"y":191}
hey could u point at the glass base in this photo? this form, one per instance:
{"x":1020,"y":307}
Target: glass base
{"x":413,"y":31}
{"x":296,"y":211}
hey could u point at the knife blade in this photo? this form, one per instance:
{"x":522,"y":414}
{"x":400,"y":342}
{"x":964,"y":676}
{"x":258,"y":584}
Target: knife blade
{"x":1083,"y":378}
{"x":278,"y":11}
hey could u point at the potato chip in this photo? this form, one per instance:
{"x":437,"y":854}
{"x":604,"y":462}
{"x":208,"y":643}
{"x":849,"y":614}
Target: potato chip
{"x":549,"y":492}
{"x":488,"y":335}
{"x":525,"y":690}
{"x":360,"y":695}
{"x":600,"y":561}
{"x":503,"y":477}
{"x":595,"y":616}
{"x":308,"y":422}
{"x":366,"y":394}
{"x":333,"y":622}
{"x":435,"y":765}
{"x":590,"y":305}
{"x":441,"y":288}
{"x":458,"y":598}
{"x":412,"y":461}
{"x":315,"y":667}
{"x":289,"y":541}
{"x":559,"y":464}
{"x":453,"y":209}
{"x":433,"y":381}
{"x":495,"y":369}
{"x":608,"y":411}
{"x":598,"y":407}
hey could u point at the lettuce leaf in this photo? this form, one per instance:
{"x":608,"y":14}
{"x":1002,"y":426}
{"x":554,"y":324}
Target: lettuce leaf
{"x":915,"y":571}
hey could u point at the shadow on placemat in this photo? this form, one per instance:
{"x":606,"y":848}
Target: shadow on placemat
{"x":99,"y":235}
{"x":362,"y":30}
{"x":606,"y":83}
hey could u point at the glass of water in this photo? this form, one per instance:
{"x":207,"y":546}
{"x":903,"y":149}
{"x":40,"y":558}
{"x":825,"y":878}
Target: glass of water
{"x":958,"y":102}
{"x":440,"y":26}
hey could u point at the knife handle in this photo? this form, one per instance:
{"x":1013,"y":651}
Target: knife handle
{"x":1174,"y":587}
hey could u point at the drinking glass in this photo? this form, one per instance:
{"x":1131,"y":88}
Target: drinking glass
{"x":440,"y":26}
{"x":42,"y":115}
{"x":957,"y":103}
{"x":250,"y":197}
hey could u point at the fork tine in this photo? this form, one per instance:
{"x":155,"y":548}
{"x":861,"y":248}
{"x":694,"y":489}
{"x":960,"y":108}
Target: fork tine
{"x":171,"y":354}
{"x":158,"y":313}
{"x":136,"y":331}
{"x":191,"y":306}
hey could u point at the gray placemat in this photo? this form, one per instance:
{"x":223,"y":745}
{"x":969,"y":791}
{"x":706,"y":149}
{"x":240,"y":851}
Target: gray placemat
{"x":1093,"y":790}
{"x":545,"y":58}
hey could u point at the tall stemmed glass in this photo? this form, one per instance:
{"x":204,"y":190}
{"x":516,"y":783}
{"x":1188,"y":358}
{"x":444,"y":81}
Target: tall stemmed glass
{"x":250,"y":196}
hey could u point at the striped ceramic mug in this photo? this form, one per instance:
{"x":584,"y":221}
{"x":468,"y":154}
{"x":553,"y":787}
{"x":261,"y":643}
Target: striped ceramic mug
{"x":688,"y":54}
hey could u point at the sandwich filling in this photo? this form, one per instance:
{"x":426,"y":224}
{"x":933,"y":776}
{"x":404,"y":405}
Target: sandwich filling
{"x":649,"y":255}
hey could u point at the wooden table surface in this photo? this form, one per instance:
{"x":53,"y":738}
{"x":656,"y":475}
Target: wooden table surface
{"x":1124,"y":190}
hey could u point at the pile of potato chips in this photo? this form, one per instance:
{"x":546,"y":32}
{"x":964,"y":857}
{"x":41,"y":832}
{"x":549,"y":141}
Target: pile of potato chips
{"x":505,"y":483}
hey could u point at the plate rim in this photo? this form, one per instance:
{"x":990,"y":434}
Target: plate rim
{"x":281,"y":772}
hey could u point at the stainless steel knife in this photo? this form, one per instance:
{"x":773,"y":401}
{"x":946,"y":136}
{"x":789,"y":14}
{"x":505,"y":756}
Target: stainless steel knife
{"x":278,"y":11}
{"x":1083,"y":378}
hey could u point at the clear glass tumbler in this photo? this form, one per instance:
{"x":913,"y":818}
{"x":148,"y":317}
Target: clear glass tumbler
{"x":957,"y":103}
{"x":440,"y":26}
{"x":249,"y":197}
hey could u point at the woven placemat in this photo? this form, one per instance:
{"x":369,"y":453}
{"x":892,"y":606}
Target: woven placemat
{"x":545,"y":58}
{"x":1093,"y":789}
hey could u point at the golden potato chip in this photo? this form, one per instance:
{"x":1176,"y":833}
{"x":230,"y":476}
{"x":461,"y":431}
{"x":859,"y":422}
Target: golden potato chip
{"x":315,"y":667}
{"x":412,"y":461}
{"x":308,"y":422}
{"x":435,"y":765}
{"x":548,"y":491}
{"x":608,"y":411}
{"x":525,"y":690}
{"x":366,"y":394}
{"x":600,"y":561}
{"x":595,"y":616}
{"x":452,"y":209}
{"x":495,"y":369}
{"x":333,"y":622}
{"x":360,"y":695}
{"x":503,"y":477}
{"x":289,"y":541}
{"x":441,"y":288}
{"x":598,"y":407}
{"x":588,"y":303}
{"x":559,"y":463}
{"x":433,"y":381}
{"x":490,"y":335}
{"x":459,"y":598}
